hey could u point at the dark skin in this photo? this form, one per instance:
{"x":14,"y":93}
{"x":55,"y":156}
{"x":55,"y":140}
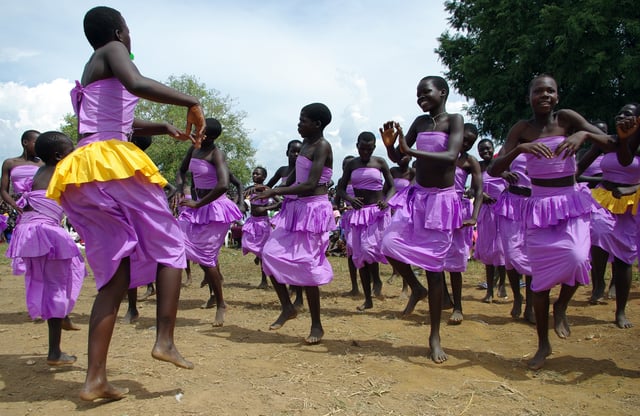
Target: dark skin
{"x":318,"y":150}
{"x":107,"y":61}
{"x":55,"y":356}
{"x":433,"y":170}
{"x":283,"y":171}
{"x":212,"y":154}
{"x":365,"y":197}
{"x":543,"y":97}
{"x":28,"y":157}
{"x":353,"y":271}
{"x":470,"y":164}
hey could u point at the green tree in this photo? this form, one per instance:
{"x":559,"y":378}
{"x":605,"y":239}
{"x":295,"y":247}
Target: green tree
{"x":591,"y":47}
{"x":168,"y":153}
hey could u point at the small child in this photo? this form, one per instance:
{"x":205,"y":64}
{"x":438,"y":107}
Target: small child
{"x":295,"y":252}
{"x":54,"y":264}
{"x":282,"y":173}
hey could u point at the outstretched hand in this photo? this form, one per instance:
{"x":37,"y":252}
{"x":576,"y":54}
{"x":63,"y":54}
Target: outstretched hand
{"x":389,"y":133}
{"x":195,"y":118}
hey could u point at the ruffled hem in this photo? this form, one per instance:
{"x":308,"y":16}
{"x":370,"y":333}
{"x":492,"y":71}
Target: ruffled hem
{"x":511,"y":206}
{"x":365,"y":215}
{"x":102,"y":161}
{"x":549,"y":206}
{"x":616,"y":205}
{"x":310,"y":214}
{"x":39,"y":240}
{"x":399,"y":199}
{"x":441,"y":209}
{"x":221,"y":210}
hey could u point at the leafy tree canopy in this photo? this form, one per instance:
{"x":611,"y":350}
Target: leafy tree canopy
{"x":591,"y":47}
{"x":168,"y":153}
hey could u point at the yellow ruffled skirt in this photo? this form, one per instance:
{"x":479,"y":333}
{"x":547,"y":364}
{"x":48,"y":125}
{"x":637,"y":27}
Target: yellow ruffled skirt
{"x":616,"y":205}
{"x":101,"y":162}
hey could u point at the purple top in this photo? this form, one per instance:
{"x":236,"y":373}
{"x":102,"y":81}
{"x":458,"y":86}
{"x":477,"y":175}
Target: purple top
{"x":21,"y":177}
{"x":303,"y":167}
{"x":556,"y":167}
{"x":594,"y":169}
{"x":105,"y":108}
{"x":613,"y":171}
{"x":401,"y":183}
{"x":432,"y":141}
{"x":460,"y":180}
{"x":367,"y":178}
{"x":43,"y":207}
{"x":492,"y":186}
{"x":204,"y":174}
{"x":519,"y":167}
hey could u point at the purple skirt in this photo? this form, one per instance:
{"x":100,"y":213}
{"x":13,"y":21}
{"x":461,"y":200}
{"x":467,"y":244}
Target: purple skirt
{"x":255,"y":233}
{"x":366,"y":226}
{"x":458,"y":254}
{"x":205,"y":228}
{"x":617,"y":234}
{"x":346,"y":229}
{"x":295,"y":252}
{"x":558,"y":237}
{"x":54,"y":266}
{"x":511,"y":226}
{"x":489,"y":250}
{"x":125,"y":218}
{"x":421,"y":229}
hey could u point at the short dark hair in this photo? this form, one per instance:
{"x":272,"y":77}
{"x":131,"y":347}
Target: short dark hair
{"x":292,"y":142}
{"x":100,"y":24}
{"x":263,"y":169}
{"x":366,"y":137}
{"x":486,"y":141}
{"x":26,"y":135}
{"x":471,"y":127}
{"x":438,"y":81}
{"x":537,"y":77}
{"x":213,"y":128}
{"x":48,"y":144}
{"x":318,"y":112}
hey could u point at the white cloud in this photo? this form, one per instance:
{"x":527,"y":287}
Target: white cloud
{"x":15,"y":54}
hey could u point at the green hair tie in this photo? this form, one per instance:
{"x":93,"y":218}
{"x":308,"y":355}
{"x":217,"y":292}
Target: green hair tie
{"x":131,"y":56}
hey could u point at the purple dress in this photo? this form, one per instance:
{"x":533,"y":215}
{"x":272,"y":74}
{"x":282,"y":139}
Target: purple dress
{"x":345,"y":219}
{"x":510,"y":209}
{"x":458,"y":255}
{"x":614,"y":224}
{"x":255,"y":230}
{"x":112,"y":192}
{"x":21,"y":179}
{"x":204,"y":228}
{"x":557,"y":221}
{"x":295,"y":252}
{"x":54,"y":264}
{"x":421,"y":228}
{"x":489,"y":250}
{"x":367,"y":224}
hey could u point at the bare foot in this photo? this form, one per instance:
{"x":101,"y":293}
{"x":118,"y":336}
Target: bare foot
{"x":561,"y":323}
{"x":414,"y":298}
{"x":377,"y":289}
{"x":596,"y":299}
{"x":170,"y":355}
{"x":612,"y":292}
{"x":219,"y":319}
{"x":150,"y":292}
{"x":63,"y":359}
{"x":131,"y":316}
{"x":315,"y":336}
{"x":488,"y":298}
{"x":622,"y":321}
{"x":285,"y":315}
{"x":529,"y":315}
{"x":103,"y":391}
{"x":366,"y":305}
{"x":502,"y":292}
{"x":437,"y":354}
{"x":516,"y":310}
{"x":351,"y":293}
{"x":456,"y":317}
{"x":210,"y":303}
{"x":446,"y":303}
{"x":263,"y":285}
{"x":68,"y":325}
{"x":203,"y":283}
{"x":538,"y":360}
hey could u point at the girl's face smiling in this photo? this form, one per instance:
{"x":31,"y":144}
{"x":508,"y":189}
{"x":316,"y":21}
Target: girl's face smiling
{"x":628,"y":111}
{"x":485,"y":150}
{"x":365,"y":150}
{"x":543,"y":94}
{"x":429,"y":97}
{"x":258,"y":176}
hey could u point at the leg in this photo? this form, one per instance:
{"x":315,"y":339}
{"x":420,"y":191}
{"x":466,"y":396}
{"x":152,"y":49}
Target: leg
{"x":150,"y":292}
{"x":188,"y":272}
{"x":288,"y":311}
{"x":353,"y":275}
{"x":418,"y":292}
{"x":168,"y":285}
{"x":447,"y":303}
{"x":529,"y":314}
{"x":490,"y":272}
{"x":502,"y":291}
{"x":435,"y":280}
{"x":298,"y":302}
{"x":68,"y":325}
{"x":598,"y":266}
{"x":215,"y":278}
{"x":561,"y":323}
{"x":456,"y":288}
{"x":264,"y":283}
{"x":101,"y":323}
{"x":132,"y":314}
{"x":622,"y":273}
{"x":374,"y":272}
{"x":55,"y":356}
{"x":365,"y":277}
{"x":514,"y":282}
{"x":541,"y":308}
{"x":313,"y":300}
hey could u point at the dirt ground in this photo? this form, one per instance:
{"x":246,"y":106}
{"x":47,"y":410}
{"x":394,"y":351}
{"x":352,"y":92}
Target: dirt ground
{"x":371,"y":363}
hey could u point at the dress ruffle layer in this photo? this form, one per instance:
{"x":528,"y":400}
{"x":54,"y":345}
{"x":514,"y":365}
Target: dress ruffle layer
{"x":550,"y":206}
{"x":616,"y":205}
{"x":511,"y":206}
{"x":365,"y":215}
{"x":41,"y":236}
{"x":310,"y":214}
{"x":102,"y":161}
{"x":221,"y":210}
{"x":442,"y":208}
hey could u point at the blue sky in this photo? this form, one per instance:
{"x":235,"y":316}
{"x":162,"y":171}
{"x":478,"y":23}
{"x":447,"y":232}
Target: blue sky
{"x":363,"y":58}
